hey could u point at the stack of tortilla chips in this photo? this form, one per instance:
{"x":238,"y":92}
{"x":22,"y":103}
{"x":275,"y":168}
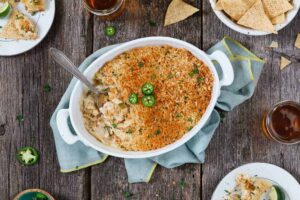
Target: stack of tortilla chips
{"x":260,"y":15}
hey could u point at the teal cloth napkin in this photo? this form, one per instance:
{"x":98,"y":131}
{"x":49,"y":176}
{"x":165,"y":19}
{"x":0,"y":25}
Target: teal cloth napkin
{"x":247,"y":69}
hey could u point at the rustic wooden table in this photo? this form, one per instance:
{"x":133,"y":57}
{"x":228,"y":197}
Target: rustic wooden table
{"x":237,"y":141}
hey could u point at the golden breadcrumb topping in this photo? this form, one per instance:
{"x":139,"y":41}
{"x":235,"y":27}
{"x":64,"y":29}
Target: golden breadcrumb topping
{"x":182,"y":89}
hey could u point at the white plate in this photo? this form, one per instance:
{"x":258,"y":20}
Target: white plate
{"x":44,"y":20}
{"x":264,"y":170}
{"x":241,"y":29}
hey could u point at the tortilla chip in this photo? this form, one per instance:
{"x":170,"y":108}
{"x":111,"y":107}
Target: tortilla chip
{"x":257,"y":19}
{"x":236,"y":8}
{"x":33,"y":7}
{"x":278,"y":20}
{"x":297,"y":42}
{"x":274,"y":44}
{"x":177,"y":11}
{"x":275,"y":8}
{"x":219,"y":5}
{"x":284,"y":62}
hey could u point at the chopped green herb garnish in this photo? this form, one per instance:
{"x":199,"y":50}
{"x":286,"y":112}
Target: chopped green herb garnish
{"x":170,"y":76}
{"x":227,"y":191}
{"x":47,"y":88}
{"x":127,"y":194}
{"x":141,"y":64}
{"x":190,"y":128}
{"x":152,"y":23}
{"x":20,"y":118}
{"x":200,"y":79}
{"x":114,"y":125}
{"x":153,"y":76}
{"x":190,"y":119}
{"x":157,"y":132}
{"x":19,"y":17}
{"x":194,"y":72}
{"x":33,"y":13}
{"x":178,"y":115}
{"x":182,"y":184}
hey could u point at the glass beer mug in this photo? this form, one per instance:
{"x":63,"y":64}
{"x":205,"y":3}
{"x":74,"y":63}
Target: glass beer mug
{"x":105,"y":8}
{"x":282,"y":122}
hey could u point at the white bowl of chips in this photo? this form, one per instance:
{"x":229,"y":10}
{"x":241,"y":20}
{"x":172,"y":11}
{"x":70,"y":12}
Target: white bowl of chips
{"x":256,"y":17}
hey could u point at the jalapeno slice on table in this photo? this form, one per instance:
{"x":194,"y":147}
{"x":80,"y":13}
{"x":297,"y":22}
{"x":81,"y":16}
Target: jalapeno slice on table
{"x":133,"y":98}
{"x":110,"y":31}
{"x":148,"y":100}
{"x":147,"y":88}
{"x":27,"y":156}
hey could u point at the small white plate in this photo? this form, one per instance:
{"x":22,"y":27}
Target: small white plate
{"x":248,"y":31}
{"x":264,"y":170}
{"x":44,"y":20}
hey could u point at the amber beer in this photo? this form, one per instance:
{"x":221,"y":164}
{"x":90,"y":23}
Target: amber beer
{"x":105,"y":7}
{"x":282,"y":122}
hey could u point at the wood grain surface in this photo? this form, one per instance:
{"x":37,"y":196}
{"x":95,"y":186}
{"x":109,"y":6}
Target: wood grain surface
{"x":237,"y":141}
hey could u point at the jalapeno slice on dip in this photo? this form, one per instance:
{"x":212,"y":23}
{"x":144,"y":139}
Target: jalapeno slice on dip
{"x":27,"y":156}
{"x":147,"y":88}
{"x":148,"y":100}
{"x":110,"y":31}
{"x":133,"y":98}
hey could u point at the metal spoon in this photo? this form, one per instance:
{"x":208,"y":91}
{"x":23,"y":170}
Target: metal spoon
{"x":67,"y":64}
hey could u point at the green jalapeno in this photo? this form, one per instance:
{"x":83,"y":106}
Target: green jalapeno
{"x":147,"y":88}
{"x":110,"y":31}
{"x":27,"y":156}
{"x":148,"y":100}
{"x":133,"y":98}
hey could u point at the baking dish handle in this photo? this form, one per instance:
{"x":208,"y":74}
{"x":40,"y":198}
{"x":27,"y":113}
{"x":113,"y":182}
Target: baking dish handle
{"x":63,"y":127}
{"x":227,"y":69}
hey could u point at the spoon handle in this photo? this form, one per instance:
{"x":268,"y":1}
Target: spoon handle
{"x":67,"y":64}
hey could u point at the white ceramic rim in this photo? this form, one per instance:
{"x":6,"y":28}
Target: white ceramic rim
{"x":76,"y":115}
{"x":264,"y":170}
{"x":234,"y":26}
{"x":33,"y":43}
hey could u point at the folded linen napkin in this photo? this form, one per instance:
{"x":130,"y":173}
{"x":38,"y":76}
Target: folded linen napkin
{"x":247,"y":69}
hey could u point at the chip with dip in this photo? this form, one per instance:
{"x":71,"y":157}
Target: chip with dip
{"x":20,"y":27}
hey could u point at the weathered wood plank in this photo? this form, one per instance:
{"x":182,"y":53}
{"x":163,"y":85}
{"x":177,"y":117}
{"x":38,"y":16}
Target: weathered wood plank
{"x":109,"y":179}
{"x":22,"y":79}
{"x":239,"y":139}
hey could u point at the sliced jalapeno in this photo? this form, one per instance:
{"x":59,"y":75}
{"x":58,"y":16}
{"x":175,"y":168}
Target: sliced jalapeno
{"x":147,"y":88}
{"x":28,"y":156}
{"x":110,"y":31}
{"x":148,"y":100}
{"x":133,"y":98}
